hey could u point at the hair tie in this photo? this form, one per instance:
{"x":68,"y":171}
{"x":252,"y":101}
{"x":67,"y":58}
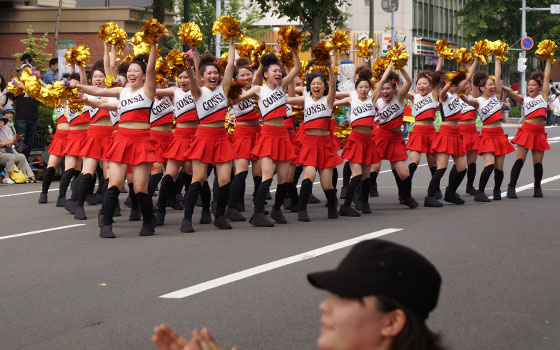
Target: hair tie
{"x":395,"y":81}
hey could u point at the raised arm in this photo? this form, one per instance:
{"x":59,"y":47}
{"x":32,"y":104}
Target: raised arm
{"x":439,"y":66}
{"x":546,"y":82}
{"x":258,"y":76}
{"x":113,"y":61}
{"x":498,"y":78}
{"x":106,"y":60}
{"x":83,"y":76}
{"x":443,"y":92}
{"x":332,"y":88}
{"x":379,"y":86}
{"x":150,"y":82}
{"x":403,"y":91}
{"x":470,"y":74}
{"x":252,"y":92}
{"x":344,"y":102}
{"x":472,"y":101}
{"x":516,"y":97}
{"x":96,"y":91}
{"x":195,"y":87}
{"x":228,"y":73}
{"x":295,"y":70}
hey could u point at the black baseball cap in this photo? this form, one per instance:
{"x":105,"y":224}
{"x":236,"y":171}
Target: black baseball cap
{"x":378,"y":267}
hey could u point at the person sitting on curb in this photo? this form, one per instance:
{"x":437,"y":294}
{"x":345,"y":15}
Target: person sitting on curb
{"x":381,"y":296}
{"x":8,"y":154}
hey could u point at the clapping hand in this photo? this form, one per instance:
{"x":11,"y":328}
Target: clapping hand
{"x":165,"y":338}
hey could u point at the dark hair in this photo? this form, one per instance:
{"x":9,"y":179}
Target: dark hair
{"x":393,"y":79}
{"x":123,"y":68}
{"x":364,"y":74}
{"x":434,"y":78}
{"x":269,"y":60}
{"x":244,"y":62}
{"x":144,"y":57}
{"x":3,"y":83}
{"x":538,"y":77}
{"x":310,"y":77}
{"x":98,"y":65}
{"x":53,"y":61}
{"x":479,"y":79}
{"x":26,"y":58}
{"x":140,"y":63}
{"x":74,"y":76}
{"x":415,"y":334}
{"x":207,"y":60}
{"x":361,"y":68}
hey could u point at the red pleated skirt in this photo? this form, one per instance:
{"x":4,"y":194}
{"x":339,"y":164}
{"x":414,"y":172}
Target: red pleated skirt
{"x":319,"y":152}
{"x":243,"y":141}
{"x":161,"y":143}
{"x":97,"y":142}
{"x":390,"y":145}
{"x":58,"y":143}
{"x":132,"y":147}
{"x":469,"y":134}
{"x":210,"y":145}
{"x":448,"y":140}
{"x":531,"y":136}
{"x":182,"y":138}
{"x":274,"y":142}
{"x":360,"y":148}
{"x":421,"y":138}
{"x":74,"y":142}
{"x":336,"y":141}
{"x":493,"y":140}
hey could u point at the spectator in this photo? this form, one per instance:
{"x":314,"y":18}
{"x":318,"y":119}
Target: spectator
{"x":382,"y":294}
{"x":26,"y":61}
{"x":8,"y":154}
{"x":555,"y":107}
{"x":52,"y":75}
{"x":407,"y":118}
{"x":6,"y":98}
{"x":26,"y":122}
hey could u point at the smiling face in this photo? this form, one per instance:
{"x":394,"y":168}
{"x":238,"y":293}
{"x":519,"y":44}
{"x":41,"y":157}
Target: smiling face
{"x":183,"y":81}
{"x":245,"y":74}
{"x":210,"y":77}
{"x":387,"y":92}
{"x":489,"y":89}
{"x":533,"y":88}
{"x":317,"y":87}
{"x":273,"y":74}
{"x":135,"y":75}
{"x":98,"y":78}
{"x":423,"y":86}
{"x":363,"y":89}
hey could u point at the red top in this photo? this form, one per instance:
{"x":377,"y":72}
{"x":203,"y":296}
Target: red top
{"x":61,"y":120}
{"x":102,"y":113}
{"x":81,"y":119}
{"x":470,"y":115}
{"x":166,"y":119}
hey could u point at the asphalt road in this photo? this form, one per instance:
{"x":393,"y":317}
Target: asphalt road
{"x":68,"y":289}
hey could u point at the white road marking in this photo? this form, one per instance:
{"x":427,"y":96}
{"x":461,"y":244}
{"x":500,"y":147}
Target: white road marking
{"x":202,"y":287}
{"x":531,"y":185}
{"x":40,"y":231}
{"x":22,"y":193}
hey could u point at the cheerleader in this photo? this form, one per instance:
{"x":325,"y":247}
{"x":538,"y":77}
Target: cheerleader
{"x":531,"y":135}
{"x":273,"y":145}
{"x":131,"y":145}
{"x":469,"y":135}
{"x":389,"y":99}
{"x":210,"y":143}
{"x":493,"y":143}
{"x":56,"y":151}
{"x":317,"y":150}
{"x":359,"y":149}
{"x":448,"y":141}
{"x":246,"y":130}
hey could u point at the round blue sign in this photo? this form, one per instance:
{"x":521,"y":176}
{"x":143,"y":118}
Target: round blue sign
{"x":527,"y":43}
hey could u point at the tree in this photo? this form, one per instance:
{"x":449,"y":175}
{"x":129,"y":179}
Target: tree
{"x":35,"y":47}
{"x":317,"y":16}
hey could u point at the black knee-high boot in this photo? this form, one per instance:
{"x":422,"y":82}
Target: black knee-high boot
{"x":538,"y":172}
{"x":398,"y":181}
{"x":147,"y":209}
{"x":215,"y":187}
{"x":110,"y":201}
{"x":166,"y":191}
{"x":334,"y":177}
{"x":90,"y":198}
{"x":373,"y":184}
{"x":430,"y":200}
{"x":346,"y":175}
{"x":259,"y":219}
{"x":438,"y":190}
{"x":364,"y":197}
{"x":406,"y":190}
{"x":514,"y":176}
{"x":471,"y":174}
{"x":331,"y":203}
{"x":83,"y":186}
{"x":232,"y":214}
{"x":276,"y":212}
{"x":190,"y":201}
{"x":71,"y":203}
{"x":47,"y":180}
{"x":294,"y":198}
{"x":480,"y":196}
{"x":101,"y":210}
{"x":304,"y":192}
{"x":412,"y":168}
{"x":205,"y":196}
{"x":455,"y":179}
{"x":221,"y":202}
{"x":153,"y":182}
{"x":297,"y":173}
{"x":176,"y":202}
{"x":63,"y":187}
{"x":346,"y":208}
{"x":241,"y":198}
{"x":135,"y":213}
{"x":257,"y":180}
{"x":498,"y":179}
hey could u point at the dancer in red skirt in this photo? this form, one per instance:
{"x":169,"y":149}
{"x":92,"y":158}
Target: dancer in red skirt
{"x":531,"y":135}
{"x":469,"y":134}
{"x":56,"y":152}
{"x":493,"y":143}
{"x":359,"y":149}
{"x":210,"y":144}
{"x":273,"y":145}
{"x":448,"y":142}
{"x":317,"y":150}
{"x":247,"y":128}
{"x":389,"y":103}
{"x":131,"y":145}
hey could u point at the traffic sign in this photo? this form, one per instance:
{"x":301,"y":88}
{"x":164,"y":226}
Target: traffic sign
{"x":555,"y":9}
{"x":527,"y":43}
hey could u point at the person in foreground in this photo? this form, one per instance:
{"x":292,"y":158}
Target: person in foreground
{"x":381,"y":296}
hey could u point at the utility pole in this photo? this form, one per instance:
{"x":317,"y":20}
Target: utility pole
{"x":371,"y":13}
{"x":187,"y":17}
{"x":218,"y":36}
{"x":522,"y":54}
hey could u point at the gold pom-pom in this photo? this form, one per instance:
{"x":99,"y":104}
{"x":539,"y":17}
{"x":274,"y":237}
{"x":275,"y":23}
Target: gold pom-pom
{"x":335,"y":70}
{"x":176,"y":60}
{"x":379,"y":67}
{"x":499,"y":50}
{"x":398,"y":55}
{"x":463,"y":55}
{"x":112,"y":34}
{"x":454,"y":78}
{"x":76,"y":100}
{"x":545,"y":50}
{"x":229,"y":123}
{"x":111,"y":82}
{"x":482,"y":49}
{"x":222,"y":62}
{"x":190,"y":34}
{"x":162,"y":72}
{"x":291,"y":37}
{"x":321,"y":53}
{"x":153,"y":30}
{"x":246,"y":47}
{"x":341,"y":40}
{"x":15,"y":87}
{"x":342,"y":132}
{"x":258,"y":52}
{"x":365,"y":48}
{"x":228,"y":27}
{"x":78,"y":55}
{"x":302,"y":70}
{"x":286,"y":57}
{"x":443,"y":49}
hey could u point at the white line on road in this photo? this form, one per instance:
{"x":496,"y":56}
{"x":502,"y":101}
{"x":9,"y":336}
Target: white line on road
{"x":202,"y":287}
{"x":22,"y":193}
{"x":531,"y":185}
{"x":40,"y":231}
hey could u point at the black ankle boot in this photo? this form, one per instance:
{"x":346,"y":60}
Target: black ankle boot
{"x":47,"y":180}
{"x":304,"y":191}
{"x":406,"y":186}
{"x":259,"y":219}
{"x":205,"y":197}
{"x":232,"y":213}
{"x":190,"y":201}
{"x":364,"y":196}
{"x":148,"y":219}
{"x":221,"y":202}
{"x":276,"y":213}
{"x":346,"y":208}
{"x":331,"y":203}
{"x":373,"y":184}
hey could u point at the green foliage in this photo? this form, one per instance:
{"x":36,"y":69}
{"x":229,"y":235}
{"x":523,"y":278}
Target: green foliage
{"x":45,"y":118}
{"x":515,"y":112}
{"x":319,"y":17}
{"x":35,"y":47}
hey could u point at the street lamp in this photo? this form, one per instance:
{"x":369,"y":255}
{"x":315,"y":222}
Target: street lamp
{"x":391,"y":6}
